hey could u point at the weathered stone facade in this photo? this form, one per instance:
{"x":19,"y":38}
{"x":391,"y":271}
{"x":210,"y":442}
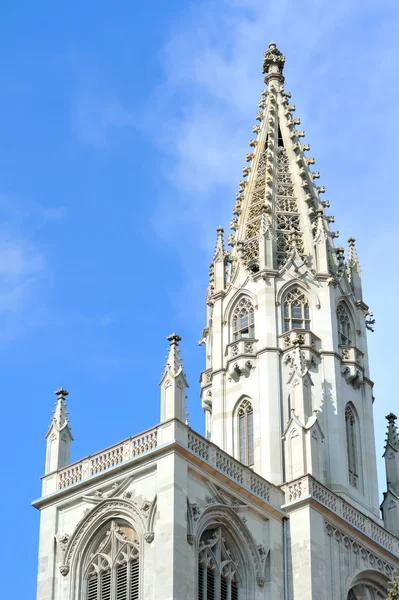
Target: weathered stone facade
{"x":280,"y":499}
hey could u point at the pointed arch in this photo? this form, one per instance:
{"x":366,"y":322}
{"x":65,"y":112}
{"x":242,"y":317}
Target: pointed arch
{"x":295,"y":309}
{"x":352,"y":430}
{"x":244,"y":417}
{"x":244,"y":552}
{"x":370,"y":584}
{"x":111,"y":563}
{"x":344,"y":325}
{"x":241,"y":317}
{"x":87,"y":532}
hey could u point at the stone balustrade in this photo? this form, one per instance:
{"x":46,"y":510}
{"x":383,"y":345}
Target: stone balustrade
{"x":308,"y":487}
{"x":108,"y":458}
{"x":352,"y":355}
{"x":206,"y":378}
{"x":233,"y":469}
{"x":242,"y":347}
{"x":307,"y":338}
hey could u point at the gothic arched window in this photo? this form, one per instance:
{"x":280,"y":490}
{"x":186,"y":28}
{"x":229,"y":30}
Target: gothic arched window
{"x":112,"y":572}
{"x":218,"y":577}
{"x":246,"y":433}
{"x":243,"y":320}
{"x":296,"y":310}
{"x":351,"y":426}
{"x":344,"y":326}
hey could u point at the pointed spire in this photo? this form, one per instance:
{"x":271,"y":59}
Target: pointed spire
{"x":390,"y":504}
{"x":60,"y":418}
{"x":58,"y":435}
{"x":173,"y":383}
{"x":353,"y":270}
{"x":173,"y":360}
{"x":218,"y":266}
{"x":320,"y":242}
{"x":353,"y":259}
{"x":273,"y":64}
{"x":392,"y":432}
{"x":279,"y":178}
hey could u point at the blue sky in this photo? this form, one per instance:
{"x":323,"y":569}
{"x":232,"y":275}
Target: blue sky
{"x":123,"y":131}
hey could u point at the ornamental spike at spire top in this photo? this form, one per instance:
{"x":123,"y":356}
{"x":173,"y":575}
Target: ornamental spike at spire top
{"x":219,"y":248}
{"x":60,"y":417}
{"x":353,"y":259}
{"x":273,"y":63}
{"x":173,"y":360}
{"x":392,"y":432}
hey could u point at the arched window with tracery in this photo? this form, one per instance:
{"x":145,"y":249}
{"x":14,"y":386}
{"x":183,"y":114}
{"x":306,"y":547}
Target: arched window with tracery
{"x":218,"y":575}
{"x":296,"y":310}
{"x":112,"y":572}
{"x":351,"y":425}
{"x":246,"y":433}
{"x":243,"y":319}
{"x":344,"y":326}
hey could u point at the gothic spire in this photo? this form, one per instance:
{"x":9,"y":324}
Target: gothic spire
{"x":392,"y":433}
{"x":58,"y":435}
{"x":353,"y":270}
{"x":59,"y":419}
{"x":279,"y":179}
{"x":173,"y":383}
{"x":353,"y":259}
{"x":174,"y":365}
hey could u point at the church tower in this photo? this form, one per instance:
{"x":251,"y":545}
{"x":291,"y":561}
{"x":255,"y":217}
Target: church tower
{"x":287,"y":388}
{"x":279,"y":499}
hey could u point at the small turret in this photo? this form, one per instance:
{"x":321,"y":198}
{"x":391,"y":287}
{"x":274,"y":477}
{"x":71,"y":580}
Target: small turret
{"x":265,"y":241}
{"x":390,"y":504}
{"x":353,"y":270}
{"x":58,"y":435}
{"x":320,"y":242}
{"x":219,"y":262}
{"x":173,"y":384}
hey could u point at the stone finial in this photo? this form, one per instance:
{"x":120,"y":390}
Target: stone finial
{"x":273,"y":63}
{"x":219,"y":248}
{"x":173,"y":383}
{"x":392,"y":432}
{"x":353,"y":259}
{"x":173,"y":361}
{"x":60,"y":416}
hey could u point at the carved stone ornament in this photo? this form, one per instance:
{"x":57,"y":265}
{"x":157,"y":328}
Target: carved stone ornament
{"x":149,"y":537}
{"x":273,"y":56}
{"x":145,"y":507}
{"x":62,"y":540}
{"x":261,"y":581}
{"x":191,"y":539}
{"x":369,"y":558}
{"x":64,"y":570}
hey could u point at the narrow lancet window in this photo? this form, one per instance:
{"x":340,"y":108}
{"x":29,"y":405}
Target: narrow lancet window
{"x":246,"y":433}
{"x":296,"y":310}
{"x":243,"y":320}
{"x":351,"y":445}
{"x":113,"y":569}
{"x":344,"y":326}
{"x":217,"y":570}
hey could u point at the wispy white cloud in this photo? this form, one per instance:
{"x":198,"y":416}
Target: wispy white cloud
{"x":24,"y":263}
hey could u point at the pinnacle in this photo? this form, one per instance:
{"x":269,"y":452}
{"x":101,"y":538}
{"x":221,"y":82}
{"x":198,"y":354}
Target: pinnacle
{"x":60,"y":415}
{"x":353,"y":259}
{"x":392,"y":432}
{"x":173,"y":361}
